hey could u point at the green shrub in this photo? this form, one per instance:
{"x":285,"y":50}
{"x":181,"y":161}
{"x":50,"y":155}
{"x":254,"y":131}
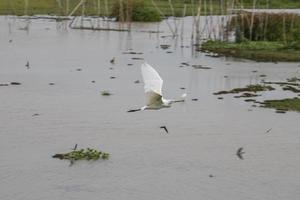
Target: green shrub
{"x":134,"y":10}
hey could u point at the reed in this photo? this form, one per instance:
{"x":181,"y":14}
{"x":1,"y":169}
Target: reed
{"x":282,"y":27}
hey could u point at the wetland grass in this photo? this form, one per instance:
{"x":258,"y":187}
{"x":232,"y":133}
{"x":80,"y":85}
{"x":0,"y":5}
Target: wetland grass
{"x":289,"y":104}
{"x":167,"y":7}
{"x":254,"y":50}
{"x":261,"y":37}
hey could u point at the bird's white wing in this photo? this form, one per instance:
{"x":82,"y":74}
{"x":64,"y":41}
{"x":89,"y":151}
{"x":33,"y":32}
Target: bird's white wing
{"x":153,"y":84}
{"x":151,"y":78}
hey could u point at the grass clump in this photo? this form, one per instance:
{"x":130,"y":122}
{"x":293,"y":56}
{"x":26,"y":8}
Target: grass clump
{"x":83,"y":154}
{"x":248,"y":88}
{"x":134,"y":10}
{"x":264,"y":51}
{"x":292,"y":104}
{"x":255,"y":45}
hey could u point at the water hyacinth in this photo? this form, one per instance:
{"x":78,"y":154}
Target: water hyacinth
{"x":83,"y":154}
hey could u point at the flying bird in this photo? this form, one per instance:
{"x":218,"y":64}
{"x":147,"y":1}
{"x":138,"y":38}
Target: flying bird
{"x":153,"y":90}
{"x":240,"y":153}
{"x":165,"y":128}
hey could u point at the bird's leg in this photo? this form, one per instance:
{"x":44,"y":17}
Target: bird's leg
{"x":134,"y":110}
{"x":177,"y":101}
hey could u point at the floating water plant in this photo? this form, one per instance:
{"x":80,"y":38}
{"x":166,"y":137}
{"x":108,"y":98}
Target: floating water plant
{"x":281,"y":83}
{"x":291,"y":88}
{"x":82,"y":154}
{"x":105,"y":93}
{"x":292,"y":104}
{"x":246,"y":95}
{"x":248,"y":88}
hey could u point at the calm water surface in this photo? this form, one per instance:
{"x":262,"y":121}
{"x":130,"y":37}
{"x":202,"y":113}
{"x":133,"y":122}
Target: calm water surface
{"x":145,"y":163}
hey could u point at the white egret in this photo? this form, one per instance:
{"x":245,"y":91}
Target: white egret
{"x":153,"y":90}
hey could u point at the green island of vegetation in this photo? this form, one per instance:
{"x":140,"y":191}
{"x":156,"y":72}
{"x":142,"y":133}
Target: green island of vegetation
{"x":263,"y":51}
{"x":261,"y":37}
{"x":248,"y":88}
{"x":282,"y":105}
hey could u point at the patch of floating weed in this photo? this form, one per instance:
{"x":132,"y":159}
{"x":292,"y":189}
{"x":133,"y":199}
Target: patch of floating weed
{"x":247,"y":95}
{"x":248,"y":88}
{"x":105,"y":93}
{"x":291,"y":88}
{"x":83,"y":154}
{"x":281,"y":83}
{"x":282,"y":105}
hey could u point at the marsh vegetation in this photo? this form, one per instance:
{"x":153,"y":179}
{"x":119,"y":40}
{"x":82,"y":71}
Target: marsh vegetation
{"x":105,"y":7}
{"x":64,"y":98}
{"x":261,"y":37}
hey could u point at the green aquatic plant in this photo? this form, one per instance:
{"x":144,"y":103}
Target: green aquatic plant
{"x":83,"y":154}
{"x":105,"y":93}
{"x":281,"y":83}
{"x":247,"y":95}
{"x":267,"y":51}
{"x":292,"y":104}
{"x":248,"y":88}
{"x":291,"y":88}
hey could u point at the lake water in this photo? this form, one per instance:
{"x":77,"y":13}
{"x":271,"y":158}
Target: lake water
{"x":196,"y":160}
